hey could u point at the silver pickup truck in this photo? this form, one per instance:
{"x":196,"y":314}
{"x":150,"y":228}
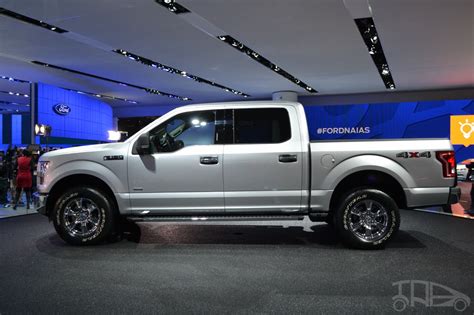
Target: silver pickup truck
{"x":245,"y":160}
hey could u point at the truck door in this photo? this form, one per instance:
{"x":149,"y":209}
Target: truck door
{"x":263,"y":163}
{"x":183,"y":173}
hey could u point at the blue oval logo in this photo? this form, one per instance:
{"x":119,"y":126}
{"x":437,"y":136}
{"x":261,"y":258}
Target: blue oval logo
{"x":61,"y":109}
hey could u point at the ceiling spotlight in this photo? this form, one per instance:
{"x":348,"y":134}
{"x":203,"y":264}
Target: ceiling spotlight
{"x":385,"y":71}
{"x":262,"y":60}
{"x":98,"y":95}
{"x":222,"y":37}
{"x":168,"y":1}
{"x":372,"y":50}
{"x":374,"y":39}
{"x":53,"y":28}
{"x":183,"y":73}
{"x":392,"y":86}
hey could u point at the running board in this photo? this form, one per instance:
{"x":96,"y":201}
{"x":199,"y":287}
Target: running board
{"x":149,"y":218}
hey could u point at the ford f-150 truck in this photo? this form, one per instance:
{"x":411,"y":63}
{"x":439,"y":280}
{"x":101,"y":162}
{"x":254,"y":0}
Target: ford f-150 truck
{"x":245,"y":160}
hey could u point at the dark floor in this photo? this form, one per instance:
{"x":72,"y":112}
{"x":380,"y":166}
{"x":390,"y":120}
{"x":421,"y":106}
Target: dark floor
{"x":229,"y":269}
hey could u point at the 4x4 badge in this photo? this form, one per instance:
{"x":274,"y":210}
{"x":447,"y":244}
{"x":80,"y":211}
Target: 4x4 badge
{"x":411,"y":155}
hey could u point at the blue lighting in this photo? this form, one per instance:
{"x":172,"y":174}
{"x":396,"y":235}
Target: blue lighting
{"x":16,"y":129}
{"x":426,"y":119}
{"x":89,"y":119}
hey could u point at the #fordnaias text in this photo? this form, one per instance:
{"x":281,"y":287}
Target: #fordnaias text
{"x":343,"y":130}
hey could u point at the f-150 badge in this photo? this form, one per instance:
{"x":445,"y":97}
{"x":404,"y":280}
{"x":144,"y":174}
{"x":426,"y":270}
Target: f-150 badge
{"x":113,"y":157}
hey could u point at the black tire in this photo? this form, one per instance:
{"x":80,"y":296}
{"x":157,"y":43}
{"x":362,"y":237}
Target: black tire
{"x":91,"y":208}
{"x":351,"y":220}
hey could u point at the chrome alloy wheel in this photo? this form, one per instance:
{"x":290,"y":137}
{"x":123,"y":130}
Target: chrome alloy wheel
{"x":368,"y":220}
{"x":81,"y":217}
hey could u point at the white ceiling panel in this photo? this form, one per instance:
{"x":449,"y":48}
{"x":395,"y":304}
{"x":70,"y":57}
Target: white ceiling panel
{"x":429,"y":44}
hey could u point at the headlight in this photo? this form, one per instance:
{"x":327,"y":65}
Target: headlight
{"x":43,"y":167}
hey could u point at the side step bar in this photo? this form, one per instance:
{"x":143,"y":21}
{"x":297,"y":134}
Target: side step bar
{"x":159,"y":218}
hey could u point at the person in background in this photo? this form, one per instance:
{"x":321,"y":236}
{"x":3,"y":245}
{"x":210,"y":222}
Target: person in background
{"x":3,"y":182}
{"x":469,"y":174}
{"x":24,"y":178}
{"x":11,"y":172}
{"x":35,"y":157}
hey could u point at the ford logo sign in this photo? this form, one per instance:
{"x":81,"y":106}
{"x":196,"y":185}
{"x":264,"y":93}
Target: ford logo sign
{"x":61,"y":109}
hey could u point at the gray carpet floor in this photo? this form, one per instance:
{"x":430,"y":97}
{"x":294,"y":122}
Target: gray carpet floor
{"x":235,"y":268}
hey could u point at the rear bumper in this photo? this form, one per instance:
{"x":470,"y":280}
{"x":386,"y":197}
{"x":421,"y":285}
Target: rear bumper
{"x":432,"y":196}
{"x":454,"y":195}
{"x":39,"y":200}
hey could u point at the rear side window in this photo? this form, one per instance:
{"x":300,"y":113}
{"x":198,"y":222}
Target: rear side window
{"x":266,"y":125}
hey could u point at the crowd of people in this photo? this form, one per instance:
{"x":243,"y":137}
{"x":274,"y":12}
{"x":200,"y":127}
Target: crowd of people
{"x":17,"y":176}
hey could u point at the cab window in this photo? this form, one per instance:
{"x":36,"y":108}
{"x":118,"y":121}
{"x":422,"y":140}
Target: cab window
{"x":184,"y":130}
{"x":265,"y":125}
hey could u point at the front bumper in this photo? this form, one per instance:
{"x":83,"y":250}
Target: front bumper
{"x":454,"y":195}
{"x":39,"y":200}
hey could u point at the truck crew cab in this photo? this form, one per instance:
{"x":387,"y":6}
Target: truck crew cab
{"x":243,"y":160}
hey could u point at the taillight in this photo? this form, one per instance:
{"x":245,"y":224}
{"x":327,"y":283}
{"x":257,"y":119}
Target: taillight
{"x":448,"y":161}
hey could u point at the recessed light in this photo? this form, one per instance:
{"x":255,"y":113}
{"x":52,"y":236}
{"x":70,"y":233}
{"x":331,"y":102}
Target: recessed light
{"x":29,"y":20}
{"x":101,"y":96}
{"x":13,"y":79}
{"x":160,"y":66}
{"x":263,"y":61}
{"x":172,"y":6}
{"x":371,"y":39}
{"x":148,"y":90}
{"x":14,"y":93}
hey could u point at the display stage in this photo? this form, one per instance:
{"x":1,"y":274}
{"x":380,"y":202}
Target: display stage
{"x":239,"y":267}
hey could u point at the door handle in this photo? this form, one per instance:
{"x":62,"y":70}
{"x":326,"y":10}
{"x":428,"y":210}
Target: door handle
{"x":287,"y":158}
{"x":208,"y":160}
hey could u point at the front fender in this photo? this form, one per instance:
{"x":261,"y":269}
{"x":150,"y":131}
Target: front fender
{"x":367,"y":163}
{"x":83,"y":167}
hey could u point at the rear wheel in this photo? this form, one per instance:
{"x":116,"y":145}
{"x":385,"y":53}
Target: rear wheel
{"x":367,"y":219}
{"x":84,"y":216}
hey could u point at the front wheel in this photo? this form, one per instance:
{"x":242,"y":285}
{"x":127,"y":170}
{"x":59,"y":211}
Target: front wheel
{"x":84,"y":216}
{"x":367,"y":219}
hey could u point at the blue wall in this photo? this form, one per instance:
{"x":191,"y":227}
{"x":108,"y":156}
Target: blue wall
{"x":89,"y":119}
{"x":16,"y":129}
{"x":389,"y":121}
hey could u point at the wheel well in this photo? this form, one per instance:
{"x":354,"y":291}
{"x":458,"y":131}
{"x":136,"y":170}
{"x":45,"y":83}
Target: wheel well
{"x":74,"y":181}
{"x":372,"y":179}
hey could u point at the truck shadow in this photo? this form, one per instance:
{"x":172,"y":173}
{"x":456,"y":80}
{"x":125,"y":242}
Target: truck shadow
{"x":320,"y":235}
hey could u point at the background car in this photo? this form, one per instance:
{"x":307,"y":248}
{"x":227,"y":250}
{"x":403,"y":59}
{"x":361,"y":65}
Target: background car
{"x":461,"y":170}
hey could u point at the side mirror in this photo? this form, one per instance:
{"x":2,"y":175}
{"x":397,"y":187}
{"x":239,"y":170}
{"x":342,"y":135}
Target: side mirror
{"x":142,"y":145}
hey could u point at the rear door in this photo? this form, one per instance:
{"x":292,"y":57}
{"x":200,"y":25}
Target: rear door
{"x":263,"y":162}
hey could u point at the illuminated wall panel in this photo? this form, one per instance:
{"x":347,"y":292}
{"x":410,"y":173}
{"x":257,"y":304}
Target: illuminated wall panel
{"x":89,"y":118}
